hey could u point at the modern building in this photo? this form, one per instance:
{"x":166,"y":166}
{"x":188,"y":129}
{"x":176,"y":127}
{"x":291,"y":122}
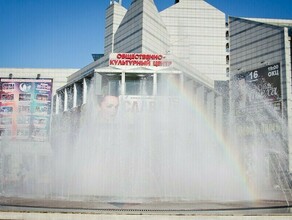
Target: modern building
{"x":143,"y":46}
{"x":260,"y":54}
{"x":194,"y":42}
{"x":149,"y":58}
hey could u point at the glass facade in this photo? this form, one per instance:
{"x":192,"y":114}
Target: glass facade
{"x":111,"y":84}
{"x":139,"y":84}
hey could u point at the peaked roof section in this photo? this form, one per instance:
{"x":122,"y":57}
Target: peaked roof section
{"x":114,"y":15}
{"x":141,"y":30}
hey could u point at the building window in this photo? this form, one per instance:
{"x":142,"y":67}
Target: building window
{"x":111,"y":84}
{"x":227,"y":35}
{"x":139,"y":84}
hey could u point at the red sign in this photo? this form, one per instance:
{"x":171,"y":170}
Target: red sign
{"x":137,"y":59}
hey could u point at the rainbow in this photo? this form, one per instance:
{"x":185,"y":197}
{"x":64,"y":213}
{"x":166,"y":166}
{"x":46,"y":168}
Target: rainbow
{"x":223,"y":142}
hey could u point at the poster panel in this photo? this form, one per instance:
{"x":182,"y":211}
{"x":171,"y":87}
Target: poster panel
{"x":257,"y":97}
{"x":25,"y":108}
{"x":257,"y":87}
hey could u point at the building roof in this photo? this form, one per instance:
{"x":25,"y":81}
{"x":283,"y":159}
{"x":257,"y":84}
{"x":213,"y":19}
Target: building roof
{"x":276,"y":22}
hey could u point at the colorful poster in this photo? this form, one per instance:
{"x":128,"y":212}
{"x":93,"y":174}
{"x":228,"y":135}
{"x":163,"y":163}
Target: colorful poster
{"x":25,"y":108}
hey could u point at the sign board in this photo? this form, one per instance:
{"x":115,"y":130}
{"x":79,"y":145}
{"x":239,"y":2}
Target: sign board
{"x":138,"y":60}
{"x":25,"y":108}
{"x":257,"y":94}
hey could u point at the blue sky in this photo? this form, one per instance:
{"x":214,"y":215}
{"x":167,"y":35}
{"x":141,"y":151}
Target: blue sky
{"x":64,"y":33}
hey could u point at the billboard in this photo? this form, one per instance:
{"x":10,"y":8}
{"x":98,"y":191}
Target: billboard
{"x":257,"y":96}
{"x":256,"y":87}
{"x":25,"y":108}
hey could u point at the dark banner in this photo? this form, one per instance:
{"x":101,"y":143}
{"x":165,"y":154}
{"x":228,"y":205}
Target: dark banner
{"x":25,"y":108}
{"x":257,"y":87}
{"x":257,"y":100}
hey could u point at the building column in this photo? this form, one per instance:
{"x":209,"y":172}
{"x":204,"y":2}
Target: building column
{"x":65,"y":100}
{"x":79,"y":93}
{"x":84,"y":91}
{"x":75,"y":94}
{"x":154,"y":92}
{"x":98,"y":83}
{"x":123,"y":85}
{"x":57,"y":104}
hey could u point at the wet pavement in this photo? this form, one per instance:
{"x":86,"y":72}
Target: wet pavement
{"x":183,"y":208}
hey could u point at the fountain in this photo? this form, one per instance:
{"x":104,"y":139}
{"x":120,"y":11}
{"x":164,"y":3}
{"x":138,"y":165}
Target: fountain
{"x":166,"y":154}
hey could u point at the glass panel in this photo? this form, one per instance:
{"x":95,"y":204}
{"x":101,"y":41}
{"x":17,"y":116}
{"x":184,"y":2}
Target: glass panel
{"x":111,"y":84}
{"x":148,"y":85}
{"x":139,"y":84}
{"x":133,"y":86}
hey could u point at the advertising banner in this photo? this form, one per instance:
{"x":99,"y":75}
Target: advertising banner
{"x":25,"y":108}
{"x":257,"y":97}
{"x":256,"y":87}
